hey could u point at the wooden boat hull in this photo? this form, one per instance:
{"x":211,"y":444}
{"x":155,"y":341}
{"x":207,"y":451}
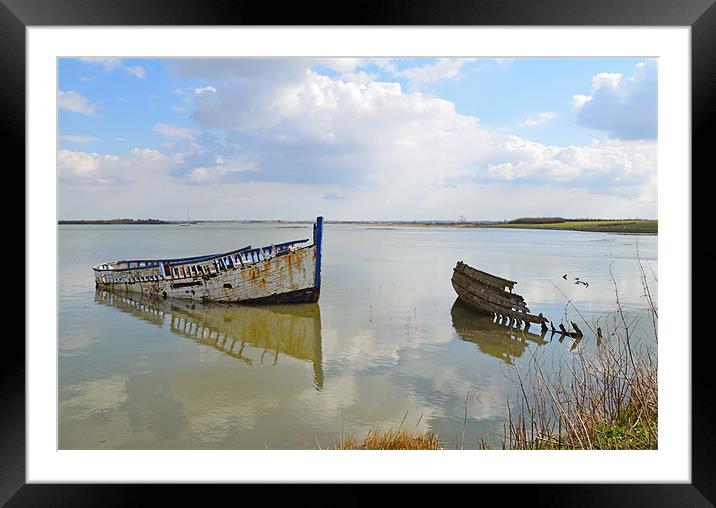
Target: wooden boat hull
{"x":271,"y":275}
{"x":487,"y":293}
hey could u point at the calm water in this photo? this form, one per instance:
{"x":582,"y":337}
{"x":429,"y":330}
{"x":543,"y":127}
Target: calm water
{"x":386,"y":343}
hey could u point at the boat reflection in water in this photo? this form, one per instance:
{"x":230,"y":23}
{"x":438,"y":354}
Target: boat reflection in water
{"x":249,"y":334}
{"x":492,"y":338}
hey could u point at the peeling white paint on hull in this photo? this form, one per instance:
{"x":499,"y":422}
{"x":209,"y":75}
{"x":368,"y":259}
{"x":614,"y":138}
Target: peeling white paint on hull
{"x":281,"y":273}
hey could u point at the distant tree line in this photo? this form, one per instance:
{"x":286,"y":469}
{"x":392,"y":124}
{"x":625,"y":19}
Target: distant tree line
{"x":114,"y":221}
{"x":547,"y":220}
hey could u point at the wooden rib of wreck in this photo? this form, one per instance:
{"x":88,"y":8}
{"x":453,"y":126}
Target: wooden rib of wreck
{"x":275,"y":274}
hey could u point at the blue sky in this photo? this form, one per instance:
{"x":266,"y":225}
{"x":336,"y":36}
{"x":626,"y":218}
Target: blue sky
{"x":356,"y":138}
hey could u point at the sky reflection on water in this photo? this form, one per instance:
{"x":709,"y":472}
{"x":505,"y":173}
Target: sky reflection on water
{"x":386,"y":343}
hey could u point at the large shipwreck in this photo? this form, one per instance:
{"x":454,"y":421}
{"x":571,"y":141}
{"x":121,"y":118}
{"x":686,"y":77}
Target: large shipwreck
{"x":275,"y":274}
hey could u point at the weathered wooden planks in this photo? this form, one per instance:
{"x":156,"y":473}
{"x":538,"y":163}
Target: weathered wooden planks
{"x":484,"y":277}
{"x":475,"y":300}
{"x":288,"y":278}
{"x":283,"y":273}
{"x":487,"y":292}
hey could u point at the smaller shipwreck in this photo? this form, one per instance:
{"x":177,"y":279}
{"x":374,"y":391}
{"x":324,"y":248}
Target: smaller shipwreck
{"x":490,"y":294}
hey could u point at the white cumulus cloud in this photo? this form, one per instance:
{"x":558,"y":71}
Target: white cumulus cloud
{"x":444,"y":68}
{"x":136,"y":71}
{"x":538,"y":119}
{"x":375,"y":133}
{"x":263,"y":136}
{"x":107,"y":64}
{"x":75,"y":138}
{"x":175,"y":131}
{"x":205,"y":89}
{"x":112,"y":63}
{"x":624,"y":107}
{"x":72,"y":101}
{"x":615,"y":166}
{"x":93,"y":169}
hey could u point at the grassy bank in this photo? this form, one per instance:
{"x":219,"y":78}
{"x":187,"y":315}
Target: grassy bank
{"x":605,"y":403}
{"x":391,"y":439}
{"x":602,"y":226}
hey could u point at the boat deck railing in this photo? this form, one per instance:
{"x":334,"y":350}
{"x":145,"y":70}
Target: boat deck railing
{"x":198,"y":266}
{"x":222,"y":263}
{"x":149,"y":263}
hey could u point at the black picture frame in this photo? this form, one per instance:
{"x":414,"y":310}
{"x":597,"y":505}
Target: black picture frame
{"x":700,"y":15}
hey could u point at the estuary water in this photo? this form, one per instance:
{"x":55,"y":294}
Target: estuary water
{"x":386,"y":345}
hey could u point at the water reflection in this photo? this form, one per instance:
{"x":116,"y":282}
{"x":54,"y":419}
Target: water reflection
{"x":132,"y":379}
{"x":249,"y":334}
{"x":492,"y":338}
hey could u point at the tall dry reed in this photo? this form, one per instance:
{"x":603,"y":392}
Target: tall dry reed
{"x":605,"y":399}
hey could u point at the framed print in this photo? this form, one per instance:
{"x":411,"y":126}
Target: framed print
{"x":411,"y":246}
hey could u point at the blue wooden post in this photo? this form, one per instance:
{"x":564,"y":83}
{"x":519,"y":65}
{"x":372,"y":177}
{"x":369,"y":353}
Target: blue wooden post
{"x":317,"y":241}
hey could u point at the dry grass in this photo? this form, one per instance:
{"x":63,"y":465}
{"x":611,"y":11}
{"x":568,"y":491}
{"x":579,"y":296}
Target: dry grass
{"x":391,"y":439}
{"x":606,"y":400}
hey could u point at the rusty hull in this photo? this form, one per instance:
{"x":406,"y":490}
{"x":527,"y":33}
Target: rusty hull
{"x":288,"y":278}
{"x":276,"y":274}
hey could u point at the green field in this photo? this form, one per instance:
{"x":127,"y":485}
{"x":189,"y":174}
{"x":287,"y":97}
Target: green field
{"x":604,"y":226}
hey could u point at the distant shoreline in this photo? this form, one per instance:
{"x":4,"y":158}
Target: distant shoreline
{"x":637,"y":226}
{"x":116,"y":221}
{"x":632,"y":226}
